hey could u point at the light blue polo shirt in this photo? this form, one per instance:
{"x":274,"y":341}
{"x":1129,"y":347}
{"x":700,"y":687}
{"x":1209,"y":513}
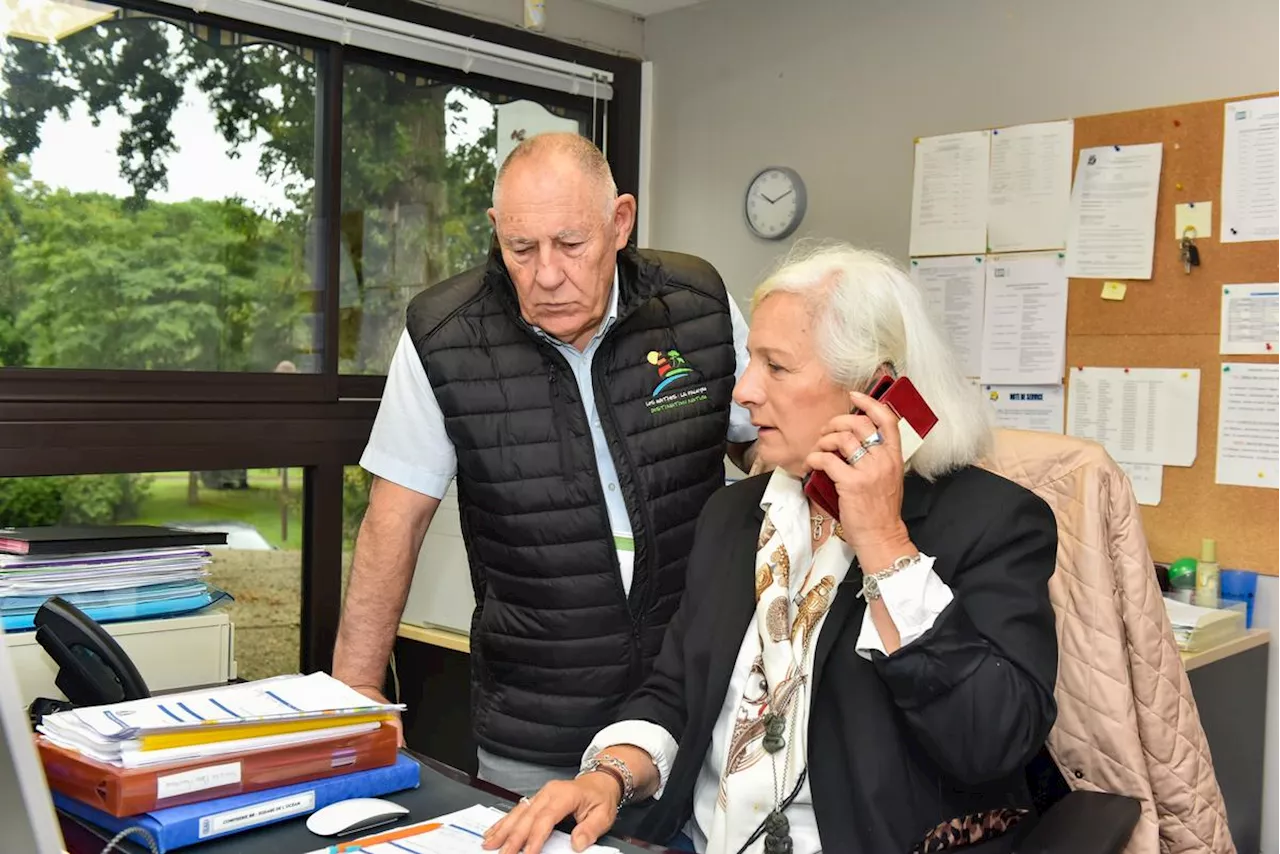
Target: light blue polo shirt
{"x":409,"y":445}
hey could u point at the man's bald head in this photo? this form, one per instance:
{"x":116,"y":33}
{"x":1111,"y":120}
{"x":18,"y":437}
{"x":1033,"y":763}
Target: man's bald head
{"x":560,"y":223}
{"x":574,"y":148}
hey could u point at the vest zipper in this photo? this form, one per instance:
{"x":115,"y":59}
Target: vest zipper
{"x":558,"y":415}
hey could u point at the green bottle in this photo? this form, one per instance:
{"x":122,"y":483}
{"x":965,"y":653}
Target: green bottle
{"x":1182,"y":578}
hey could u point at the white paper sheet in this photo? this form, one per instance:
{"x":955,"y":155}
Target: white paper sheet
{"x":1024,"y":332}
{"x":1249,"y":425}
{"x":1030,"y":187}
{"x":460,"y":832}
{"x":1140,"y":415}
{"x":949,"y":194}
{"x":1250,"y":319}
{"x":1250,"y":170}
{"x":1147,"y":481}
{"x":953,"y":291}
{"x":1112,"y":228}
{"x":1027,"y":407}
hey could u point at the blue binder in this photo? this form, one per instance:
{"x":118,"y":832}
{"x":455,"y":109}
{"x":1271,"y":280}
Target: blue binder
{"x":178,"y":827}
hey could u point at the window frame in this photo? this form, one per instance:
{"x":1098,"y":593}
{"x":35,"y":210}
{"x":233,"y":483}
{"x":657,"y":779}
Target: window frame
{"x":56,"y":421}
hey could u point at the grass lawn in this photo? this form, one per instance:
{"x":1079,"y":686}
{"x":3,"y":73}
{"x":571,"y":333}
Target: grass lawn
{"x":259,"y":505}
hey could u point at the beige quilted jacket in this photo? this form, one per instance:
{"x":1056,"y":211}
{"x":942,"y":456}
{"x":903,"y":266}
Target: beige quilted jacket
{"x":1127,"y":722}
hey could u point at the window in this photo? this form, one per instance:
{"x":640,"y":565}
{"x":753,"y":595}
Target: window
{"x":260,"y":567}
{"x":419,"y":158}
{"x":156,"y":195}
{"x":234,"y":200}
{"x":355,"y":501}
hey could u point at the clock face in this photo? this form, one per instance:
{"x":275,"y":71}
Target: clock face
{"x":775,"y":203}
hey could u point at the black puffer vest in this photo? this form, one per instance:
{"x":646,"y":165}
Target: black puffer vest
{"x":556,"y":645}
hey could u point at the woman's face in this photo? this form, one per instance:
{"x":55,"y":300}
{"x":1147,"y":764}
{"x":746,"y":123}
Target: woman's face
{"x":785,"y":386}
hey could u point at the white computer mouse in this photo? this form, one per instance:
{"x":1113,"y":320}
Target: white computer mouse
{"x":353,"y":815}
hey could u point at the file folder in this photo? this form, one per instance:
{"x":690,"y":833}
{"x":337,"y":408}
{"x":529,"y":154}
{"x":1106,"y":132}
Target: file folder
{"x":124,"y":792}
{"x":179,"y":827}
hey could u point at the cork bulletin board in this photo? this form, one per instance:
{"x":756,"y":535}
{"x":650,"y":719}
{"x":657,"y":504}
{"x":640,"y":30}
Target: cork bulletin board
{"x":1172,"y":321}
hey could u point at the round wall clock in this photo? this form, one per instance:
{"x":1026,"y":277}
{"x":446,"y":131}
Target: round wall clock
{"x":776,"y":202}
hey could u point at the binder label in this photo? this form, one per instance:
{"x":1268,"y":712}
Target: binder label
{"x":252,"y":816}
{"x":186,"y":782}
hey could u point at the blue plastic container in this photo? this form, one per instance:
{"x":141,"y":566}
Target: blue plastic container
{"x":1239,"y":585}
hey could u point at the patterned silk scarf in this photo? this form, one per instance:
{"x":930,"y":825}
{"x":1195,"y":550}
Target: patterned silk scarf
{"x":794,"y":588}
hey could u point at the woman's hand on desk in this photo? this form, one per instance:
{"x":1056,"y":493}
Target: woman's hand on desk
{"x":591,"y":799}
{"x":378,"y":697}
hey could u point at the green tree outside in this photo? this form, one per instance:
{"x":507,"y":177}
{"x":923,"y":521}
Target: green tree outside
{"x":92,"y":280}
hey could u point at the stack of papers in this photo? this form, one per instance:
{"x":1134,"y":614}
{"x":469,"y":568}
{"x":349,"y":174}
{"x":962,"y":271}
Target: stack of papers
{"x":106,"y":585}
{"x":268,"y":713}
{"x":1196,"y":627}
{"x":459,"y":832}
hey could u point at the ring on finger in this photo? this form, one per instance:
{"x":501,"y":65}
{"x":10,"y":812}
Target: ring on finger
{"x":524,"y":802}
{"x":873,"y":440}
{"x":857,"y":454}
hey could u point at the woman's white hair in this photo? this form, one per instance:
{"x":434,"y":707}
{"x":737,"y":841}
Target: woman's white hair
{"x":867,"y":311}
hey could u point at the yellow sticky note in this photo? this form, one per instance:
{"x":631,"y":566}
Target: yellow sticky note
{"x":1197,"y":215}
{"x":1114,"y":290}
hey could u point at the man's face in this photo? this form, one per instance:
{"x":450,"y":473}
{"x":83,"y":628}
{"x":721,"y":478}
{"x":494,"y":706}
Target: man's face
{"x":560,"y":237}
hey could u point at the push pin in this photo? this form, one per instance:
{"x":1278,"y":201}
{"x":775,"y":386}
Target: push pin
{"x":1190,"y":254}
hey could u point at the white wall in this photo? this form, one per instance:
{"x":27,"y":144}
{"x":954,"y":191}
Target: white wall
{"x":578,"y":21}
{"x":839,"y":88}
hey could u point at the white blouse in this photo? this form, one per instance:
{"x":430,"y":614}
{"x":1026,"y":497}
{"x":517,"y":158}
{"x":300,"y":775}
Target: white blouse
{"x":914,"y":598}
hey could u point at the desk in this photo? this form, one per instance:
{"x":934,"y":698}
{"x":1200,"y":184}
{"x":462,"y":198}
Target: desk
{"x":442,"y":790}
{"x":434,"y":667}
{"x":1229,"y":682}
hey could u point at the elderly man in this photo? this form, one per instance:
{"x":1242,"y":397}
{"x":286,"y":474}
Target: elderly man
{"x":580,"y":392}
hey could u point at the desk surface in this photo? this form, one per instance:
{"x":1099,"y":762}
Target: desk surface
{"x":1249,"y":640}
{"x":445,"y":638}
{"x":442,"y":790}
{"x":459,"y":642}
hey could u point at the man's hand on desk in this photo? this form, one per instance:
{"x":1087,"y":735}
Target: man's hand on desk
{"x":378,"y":697}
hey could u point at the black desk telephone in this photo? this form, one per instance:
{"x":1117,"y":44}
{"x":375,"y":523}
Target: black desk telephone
{"x":92,"y":668}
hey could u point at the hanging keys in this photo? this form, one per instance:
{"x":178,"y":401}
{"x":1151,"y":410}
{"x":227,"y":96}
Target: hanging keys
{"x":1190,"y":254}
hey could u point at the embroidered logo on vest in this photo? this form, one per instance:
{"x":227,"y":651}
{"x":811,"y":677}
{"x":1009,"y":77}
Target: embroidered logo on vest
{"x":673,"y":370}
{"x":672,"y":367}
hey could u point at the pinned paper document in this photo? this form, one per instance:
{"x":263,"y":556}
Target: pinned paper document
{"x":1250,"y":319}
{"x":1147,"y":482}
{"x":949,"y":194}
{"x":1140,"y":415}
{"x":1249,"y":425}
{"x":1030,"y":187}
{"x":1024,"y":333}
{"x":1027,"y":407}
{"x":1250,"y":167}
{"x":1113,"y":212}
{"x":953,"y":295}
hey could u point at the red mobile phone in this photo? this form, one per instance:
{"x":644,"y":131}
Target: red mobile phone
{"x":817,"y":484}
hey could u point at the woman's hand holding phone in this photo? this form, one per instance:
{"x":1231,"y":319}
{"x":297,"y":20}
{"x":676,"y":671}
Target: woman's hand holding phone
{"x":868,"y":491}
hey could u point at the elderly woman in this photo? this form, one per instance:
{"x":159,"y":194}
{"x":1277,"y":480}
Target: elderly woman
{"x":865,"y":684}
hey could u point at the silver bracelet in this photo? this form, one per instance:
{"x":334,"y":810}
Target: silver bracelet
{"x":871,"y":582}
{"x":617,"y":769}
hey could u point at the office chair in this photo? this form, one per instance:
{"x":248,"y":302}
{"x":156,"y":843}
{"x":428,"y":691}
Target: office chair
{"x":1127,"y":721}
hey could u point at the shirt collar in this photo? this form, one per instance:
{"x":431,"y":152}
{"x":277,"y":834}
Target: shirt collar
{"x":609,"y":319}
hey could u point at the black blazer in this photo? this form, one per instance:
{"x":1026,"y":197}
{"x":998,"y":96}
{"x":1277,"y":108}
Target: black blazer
{"x":941,"y":729}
